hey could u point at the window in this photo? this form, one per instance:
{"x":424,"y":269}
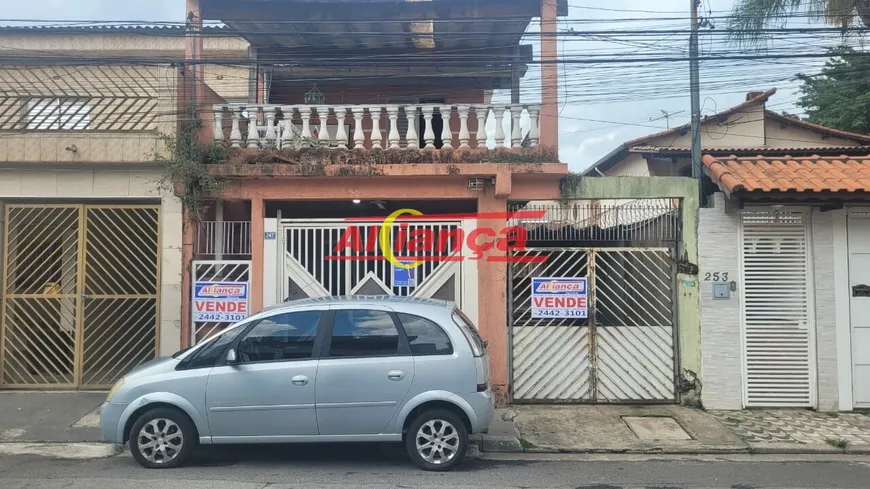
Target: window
{"x":288,"y":336}
{"x":425,"y":337}
{"x":53,"y":114}
{"x":213,"y":351}
{"x":363,"y":333}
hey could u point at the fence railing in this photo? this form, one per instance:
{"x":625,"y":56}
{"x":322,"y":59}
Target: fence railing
{"x":647,"y":221}
{"x":223,"y":238}
{"x":406,"y":126}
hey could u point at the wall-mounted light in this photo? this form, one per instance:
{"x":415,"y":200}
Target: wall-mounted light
{"x":356,"y":201}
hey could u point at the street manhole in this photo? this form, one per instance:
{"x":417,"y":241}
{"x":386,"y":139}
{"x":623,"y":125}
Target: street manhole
{"x":656,"y":428}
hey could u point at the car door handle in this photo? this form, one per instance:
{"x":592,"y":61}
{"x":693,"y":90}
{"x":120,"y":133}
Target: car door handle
{"x":396,"y":375}
{"x":299,"y":380}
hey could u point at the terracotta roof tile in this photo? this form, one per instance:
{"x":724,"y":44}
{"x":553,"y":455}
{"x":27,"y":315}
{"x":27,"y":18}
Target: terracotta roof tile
{"x":775,"y":174}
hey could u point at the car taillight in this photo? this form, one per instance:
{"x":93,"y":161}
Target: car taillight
{"x":482,"y":387}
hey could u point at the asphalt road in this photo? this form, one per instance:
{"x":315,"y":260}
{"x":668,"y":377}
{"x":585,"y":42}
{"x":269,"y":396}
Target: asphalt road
{"x":377,"y":467}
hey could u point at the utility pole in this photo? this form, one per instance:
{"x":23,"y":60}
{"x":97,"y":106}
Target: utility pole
{"x":695,"y":89}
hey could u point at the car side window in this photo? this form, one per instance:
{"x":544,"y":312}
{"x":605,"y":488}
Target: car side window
{"x":211,"y":353}
{"x":424,"y":336}
{"x":287,"y":336}
{"x":363,"y":333}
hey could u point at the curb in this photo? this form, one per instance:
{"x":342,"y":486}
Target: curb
{"x":65,"y":450}
{"x":858,"y":449}
{"x":498,"y":444}
{"x":794,"y":449}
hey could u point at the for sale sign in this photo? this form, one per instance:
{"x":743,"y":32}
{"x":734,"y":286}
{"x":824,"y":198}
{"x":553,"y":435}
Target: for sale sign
{"x":220,"y":302}
{"x":559,"y":297}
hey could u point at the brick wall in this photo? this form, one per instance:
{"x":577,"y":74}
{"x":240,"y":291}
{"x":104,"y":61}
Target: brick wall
{"x":721,"y":363}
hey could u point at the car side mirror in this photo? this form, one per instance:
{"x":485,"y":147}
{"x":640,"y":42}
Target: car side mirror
{"x":231,"y":356}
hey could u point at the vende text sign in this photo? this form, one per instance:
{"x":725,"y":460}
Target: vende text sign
{"x":224,"y":302}
{"x":559,"y":297}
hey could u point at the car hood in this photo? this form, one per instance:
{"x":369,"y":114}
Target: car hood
{"x":153,"y":366}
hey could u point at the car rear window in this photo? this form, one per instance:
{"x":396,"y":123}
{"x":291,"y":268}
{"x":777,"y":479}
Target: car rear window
{"x":465,"y":323}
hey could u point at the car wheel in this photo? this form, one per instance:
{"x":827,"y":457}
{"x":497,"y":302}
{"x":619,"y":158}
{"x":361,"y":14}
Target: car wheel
{"x":162,"y":438}
{"x":437,"y":440}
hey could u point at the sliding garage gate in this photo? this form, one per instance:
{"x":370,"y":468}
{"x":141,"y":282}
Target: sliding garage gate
{"x":625,"y":351}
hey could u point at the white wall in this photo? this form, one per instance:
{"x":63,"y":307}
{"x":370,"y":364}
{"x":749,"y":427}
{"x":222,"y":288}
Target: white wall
{"x":825,"y":306}
{"x":721,"y":361}
{"x":117,"y":184}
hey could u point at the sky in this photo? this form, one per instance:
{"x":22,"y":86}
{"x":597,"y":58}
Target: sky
{"x":601,"y":105}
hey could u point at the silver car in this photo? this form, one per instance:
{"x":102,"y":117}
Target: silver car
{"x":354,"y":369}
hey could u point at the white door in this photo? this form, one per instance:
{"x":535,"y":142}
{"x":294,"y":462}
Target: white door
{"x":859,"y":301}
{"x":776,"y":303}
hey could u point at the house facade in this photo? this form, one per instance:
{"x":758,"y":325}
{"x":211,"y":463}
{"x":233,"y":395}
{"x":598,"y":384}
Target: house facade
{"x":91,"y":244}
{"x":781,"y":240}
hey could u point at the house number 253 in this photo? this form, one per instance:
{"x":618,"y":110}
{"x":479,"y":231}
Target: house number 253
{"x":716,"y":277}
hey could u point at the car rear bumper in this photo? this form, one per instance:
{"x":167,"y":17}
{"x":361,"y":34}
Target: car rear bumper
{"x":483,"y":406}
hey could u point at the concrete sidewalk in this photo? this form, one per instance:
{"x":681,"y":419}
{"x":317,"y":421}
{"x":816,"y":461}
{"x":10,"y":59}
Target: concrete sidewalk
{"x":622,"y":429}
{"x":34,"y":416}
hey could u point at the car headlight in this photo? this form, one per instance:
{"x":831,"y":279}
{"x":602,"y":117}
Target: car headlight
{"x":114,"y":389}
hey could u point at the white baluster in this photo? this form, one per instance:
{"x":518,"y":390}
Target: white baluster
{"x":359,"y":137}
{"x":481,"y":111}
{"x":305,"y":114}
{"x":271,"y":134}
{"x":341,"y":132}
{"x":411,"y":136}
{"x":446,"y":133}
{"x":236,"y":132}
{"x":429,"y":133}
{"x":323,"y":114}
{"x":218,"y":123}
{"x":464,"y":135}
{"x":375,"y":113}
{"x":499,"y":126}
{"x":534,"y":132}
{"x":253,"y":133}
{"x":516,"y":130}
{"x":393,"y":137}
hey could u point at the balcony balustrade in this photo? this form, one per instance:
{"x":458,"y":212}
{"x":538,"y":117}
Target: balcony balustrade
{"x":389,"y":126}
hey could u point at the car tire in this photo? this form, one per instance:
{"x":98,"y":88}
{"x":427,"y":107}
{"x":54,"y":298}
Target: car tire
{"x":162,"y":438}
{"x":437,"y":440}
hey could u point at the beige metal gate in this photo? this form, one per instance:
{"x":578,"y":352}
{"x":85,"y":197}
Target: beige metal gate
{"x":81,"y":293}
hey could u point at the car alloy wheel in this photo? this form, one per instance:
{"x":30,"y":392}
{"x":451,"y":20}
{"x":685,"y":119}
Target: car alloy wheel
{"x":160,"y":440}
{"x":437,"y":441}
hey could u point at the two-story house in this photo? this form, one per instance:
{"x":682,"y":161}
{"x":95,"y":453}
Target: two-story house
{"x":360,"y":109}
{"x":91,"y":242}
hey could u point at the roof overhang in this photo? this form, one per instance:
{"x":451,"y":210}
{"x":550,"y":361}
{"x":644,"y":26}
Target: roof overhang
{"x":338,"y":25}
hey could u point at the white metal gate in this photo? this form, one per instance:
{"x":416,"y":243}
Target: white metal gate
{"x":216,"y":272}
{"x":623,"y":352}
{"x":343,"y":257}
{"x":777,"y":302}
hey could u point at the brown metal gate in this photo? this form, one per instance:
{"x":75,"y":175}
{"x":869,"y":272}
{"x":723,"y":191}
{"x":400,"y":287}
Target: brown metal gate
{"x":81,"y":293}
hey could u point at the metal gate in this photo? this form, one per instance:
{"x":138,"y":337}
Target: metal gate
{"x":81,"y":293}
{"x":776,"y":302}
{"x":317,"y":264}
{"x":623,"y":352}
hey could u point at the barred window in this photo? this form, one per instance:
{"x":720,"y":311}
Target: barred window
{"x":57,"y":114}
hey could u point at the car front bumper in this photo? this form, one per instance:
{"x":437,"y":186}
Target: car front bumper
{"x":110,"y":422}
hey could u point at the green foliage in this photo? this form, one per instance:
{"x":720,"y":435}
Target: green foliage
{"x":186,"y":168}
{"x":751,"y":16}
{"x":839,"y":96}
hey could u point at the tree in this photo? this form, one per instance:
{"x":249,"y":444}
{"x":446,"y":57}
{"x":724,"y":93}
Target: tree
{"x":750,"y":16}
{"x":839,"y":96}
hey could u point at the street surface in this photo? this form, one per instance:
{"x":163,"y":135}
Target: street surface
{"x":381,"y":467}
